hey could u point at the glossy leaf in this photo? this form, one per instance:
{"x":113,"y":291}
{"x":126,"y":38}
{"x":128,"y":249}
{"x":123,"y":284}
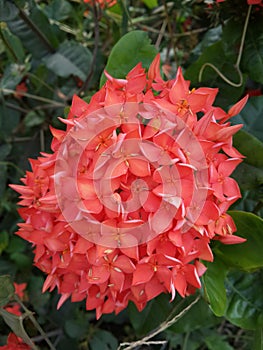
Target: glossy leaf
{"x":13,"y":44}
{"x":214,"y":287}
{"x":70,"y":59}
{"x":246,"y":256}
{"x":131,"y":49}
{"x":245,"y":302}
{"x":7,"y":290}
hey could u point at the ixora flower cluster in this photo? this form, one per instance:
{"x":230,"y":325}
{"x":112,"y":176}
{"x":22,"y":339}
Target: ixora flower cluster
{"x":136,"y":188}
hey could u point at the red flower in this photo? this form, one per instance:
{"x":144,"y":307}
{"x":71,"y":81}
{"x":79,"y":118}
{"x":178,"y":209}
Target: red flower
{"x":15,"y":343}
{"x":133,"y":193}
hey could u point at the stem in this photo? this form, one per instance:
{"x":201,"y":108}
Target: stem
{"x":29,"y":314}
{"x":34,"y":97}
{"x":237,"y":64}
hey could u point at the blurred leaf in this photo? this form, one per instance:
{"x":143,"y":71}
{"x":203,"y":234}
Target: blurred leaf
{"x":3,"y":178}
{"x":7,"y":290}
{"x":71,"y":59}
{"x":9,"y":119}
{"x":103,"y":340}
{"x":155,"y":312}
{"x":150,"y":3}
{"x":214,"y":287}
{"x":13,"y":44}
{"x":5,"y":149}
{"x":247,"y":256}
{"x":16,"y":245}
{"x":36,"y":297}
{"x":258,"y":339}
{"x":8,"y":10}
{"x":248,"y":177}
{"x":3,"y":241}
{"x":35,"y":32}
{"x":215,"y":55}
{"x":251,"y":117}
{"x":216,"y":341}
{"x":16,"y":324}
{"x":252,"y":57}
{"x":22,"y":260}
{"x":77,"y":327}
{"x":59,"y":10}
{"x":131,"y":49}
{"x":245,"y":302}
{"x":34,"y":119}
{"x":12,"y":76}
{"x":210,"y":37}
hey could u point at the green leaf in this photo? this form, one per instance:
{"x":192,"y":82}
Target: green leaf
{"x":13,"y":44}
{"x":103,"y":340}
{"x":71,"y":59}
{"x":8,"y":10}
{"x":251,"y":117}
{"x":12,"y":76}
{"x":250,"y":147}
{"x":35,"y":33}
{"x":151,"y":316}
{"x":198,"y":317}
{"x":16,"y":324}
{"x":216,"y":341}
{"x":258,"y":339}
{"x":246,"y":256}
{"x":150,"y":3}
{"x":59,"y":10}
{"x":252,"y":57}
{"x":214,"y":287}
{"x":3,"y":241}
{"x":210,"y":37}
{"x":215,"y":55}
{"x":7,"y":290}
{"x":245,"y":302}
{"x":131,"y":49}
{"x":34,"y":119}
{"x":76,"y":328}
{"x":3,"y":178}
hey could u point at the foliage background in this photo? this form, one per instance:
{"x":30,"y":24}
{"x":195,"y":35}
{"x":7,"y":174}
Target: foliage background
{"x":53,"y":49}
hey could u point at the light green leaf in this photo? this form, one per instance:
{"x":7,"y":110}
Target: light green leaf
{"x":245,"y":302}
{"x":214,"y":287}
{"x":246,"y":256}
{"x":131,"y":49}
{"x":151,"y":3}
{"x":71,"y":59}
{"x":16,"y":324}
